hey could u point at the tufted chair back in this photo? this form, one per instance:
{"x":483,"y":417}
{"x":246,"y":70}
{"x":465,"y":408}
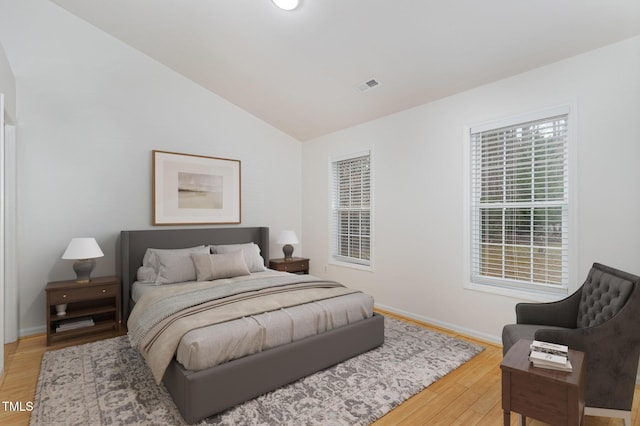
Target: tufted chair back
{"x":602,"y":296}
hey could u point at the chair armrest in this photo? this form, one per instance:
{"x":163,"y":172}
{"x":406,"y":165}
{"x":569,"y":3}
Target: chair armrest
{"x":582,"y":339}
{"x":562,"y":313}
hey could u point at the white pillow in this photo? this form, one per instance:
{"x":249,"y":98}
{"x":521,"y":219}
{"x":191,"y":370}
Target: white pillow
{"x":147,"y":274}
{"x":165,"y":266}
{"x":217,"y":266}
{"x":251,"y":251}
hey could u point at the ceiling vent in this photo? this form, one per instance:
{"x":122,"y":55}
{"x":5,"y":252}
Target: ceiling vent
{"x":368,"y":85}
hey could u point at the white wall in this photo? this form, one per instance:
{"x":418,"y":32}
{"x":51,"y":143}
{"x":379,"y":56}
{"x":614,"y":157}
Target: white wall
{"x":90,"y":110}
{"x":419,"y":197}
{"x":7,"y":87}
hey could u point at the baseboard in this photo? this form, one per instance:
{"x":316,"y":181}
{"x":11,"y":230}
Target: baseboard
{"x":442,"y":324}
{"x":24,"y":332}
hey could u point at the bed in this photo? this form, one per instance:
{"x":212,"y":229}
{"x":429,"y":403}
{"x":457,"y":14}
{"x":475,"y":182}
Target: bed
{"x":205,"y":392}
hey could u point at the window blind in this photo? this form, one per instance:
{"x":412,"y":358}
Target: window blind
{"x":519,"y":202}
{"x":351,"y":210}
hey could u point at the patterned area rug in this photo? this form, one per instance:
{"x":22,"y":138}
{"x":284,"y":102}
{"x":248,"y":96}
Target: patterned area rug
{"x":108,"y":383}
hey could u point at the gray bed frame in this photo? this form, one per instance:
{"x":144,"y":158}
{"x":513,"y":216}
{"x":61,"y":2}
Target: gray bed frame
{"x":200,"y":394}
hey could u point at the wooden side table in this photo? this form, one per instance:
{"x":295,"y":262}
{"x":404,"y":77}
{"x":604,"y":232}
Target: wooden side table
{"x":95,"y":305}
{"x":297,"y":265}
{"x":551,"y":396}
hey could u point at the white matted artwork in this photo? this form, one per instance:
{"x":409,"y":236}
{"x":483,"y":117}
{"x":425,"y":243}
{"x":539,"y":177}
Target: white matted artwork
{"x":195,"y":189}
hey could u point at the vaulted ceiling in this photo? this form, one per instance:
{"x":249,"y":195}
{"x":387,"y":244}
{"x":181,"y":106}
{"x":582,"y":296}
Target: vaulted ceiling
{"x":300,"y":70}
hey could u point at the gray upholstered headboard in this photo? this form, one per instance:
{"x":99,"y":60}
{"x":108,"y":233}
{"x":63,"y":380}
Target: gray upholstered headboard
{"x":133,"y":245}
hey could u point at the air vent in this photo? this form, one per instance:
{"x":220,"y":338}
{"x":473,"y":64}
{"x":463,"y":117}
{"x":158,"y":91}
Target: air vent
{"x":368,"y":85}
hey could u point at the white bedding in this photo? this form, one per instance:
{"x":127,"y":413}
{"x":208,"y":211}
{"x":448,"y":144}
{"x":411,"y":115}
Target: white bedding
{"x":212,"y":345}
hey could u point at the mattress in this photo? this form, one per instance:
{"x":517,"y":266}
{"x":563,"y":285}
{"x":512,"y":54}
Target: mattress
{"x":216,"y":344}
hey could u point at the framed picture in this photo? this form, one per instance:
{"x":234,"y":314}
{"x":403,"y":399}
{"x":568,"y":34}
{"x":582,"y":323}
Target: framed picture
{"x":194,"y":189}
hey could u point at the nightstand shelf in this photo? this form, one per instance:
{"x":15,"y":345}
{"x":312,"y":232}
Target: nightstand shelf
{"x":83,"y":312}
{"x":296,"y":265}
{"x":98,"y":300}
{"x":99,"y":326}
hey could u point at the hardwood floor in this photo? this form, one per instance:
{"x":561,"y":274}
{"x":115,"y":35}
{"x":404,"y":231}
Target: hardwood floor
{"x":470,"y":395}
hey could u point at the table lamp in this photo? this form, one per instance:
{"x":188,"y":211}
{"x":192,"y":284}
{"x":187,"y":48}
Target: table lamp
{"x":287,"y":238}
{"x":83,"y":251}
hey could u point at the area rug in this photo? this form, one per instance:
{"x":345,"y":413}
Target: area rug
{"x":108,"y":383}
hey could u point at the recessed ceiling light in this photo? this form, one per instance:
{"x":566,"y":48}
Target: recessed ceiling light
{"x":287,"y":4}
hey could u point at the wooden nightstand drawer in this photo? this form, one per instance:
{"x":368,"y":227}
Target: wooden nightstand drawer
{"x":294,"y":265}
{"x":79,"y":294}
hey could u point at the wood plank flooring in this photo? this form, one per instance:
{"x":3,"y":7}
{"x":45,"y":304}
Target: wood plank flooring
{"x":470,"y":395}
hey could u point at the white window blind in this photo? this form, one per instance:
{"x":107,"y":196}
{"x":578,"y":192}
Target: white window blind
{"x":520,"y":204}
{"x":351,"y":210}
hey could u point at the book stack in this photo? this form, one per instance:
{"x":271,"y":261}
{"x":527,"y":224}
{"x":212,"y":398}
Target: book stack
{"x":550,"y":355}
{"x":74,"y":323}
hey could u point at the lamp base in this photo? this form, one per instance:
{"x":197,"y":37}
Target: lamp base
{"x":287,"y":249}
{"x":61,"y":309}
{"x":83,"y":268}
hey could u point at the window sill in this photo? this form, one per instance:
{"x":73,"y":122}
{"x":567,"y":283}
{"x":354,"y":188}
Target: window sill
{"x":528,"y":295}
{"x":357,"y":266}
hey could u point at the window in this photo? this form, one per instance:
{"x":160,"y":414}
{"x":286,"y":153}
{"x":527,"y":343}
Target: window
{"x":351,"y":209}
{"x":520,"y":203}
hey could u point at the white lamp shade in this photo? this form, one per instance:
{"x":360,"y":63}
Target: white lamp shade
{"x":287,"y":237}
{"x":82,"y":248}
{"x":287,"y":4}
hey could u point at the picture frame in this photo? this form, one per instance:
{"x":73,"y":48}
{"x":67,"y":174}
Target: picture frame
{"x":195,"y":189}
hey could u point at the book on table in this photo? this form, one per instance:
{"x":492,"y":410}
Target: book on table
{"x":552,"y":348}
{"x":550,"y":355}
{"x":74,"y":323}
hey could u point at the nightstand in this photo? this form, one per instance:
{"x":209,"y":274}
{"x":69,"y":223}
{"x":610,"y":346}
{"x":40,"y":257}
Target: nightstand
{"x":91,"y":308}
{"x":297,"y":265}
